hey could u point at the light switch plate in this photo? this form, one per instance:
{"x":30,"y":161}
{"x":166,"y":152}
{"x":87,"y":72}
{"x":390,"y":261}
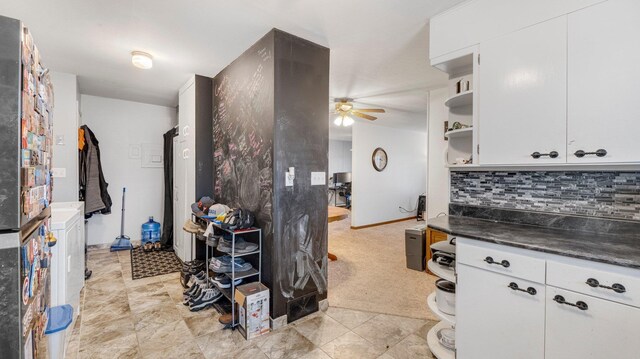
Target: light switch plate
{"x":60,"y":140}
{"x":318,"y":178}
{"x":288,"y":179}
{"x":58,"y":172}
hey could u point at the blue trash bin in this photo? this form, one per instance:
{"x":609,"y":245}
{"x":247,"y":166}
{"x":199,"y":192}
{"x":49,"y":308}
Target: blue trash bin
{"x":60,"y":317}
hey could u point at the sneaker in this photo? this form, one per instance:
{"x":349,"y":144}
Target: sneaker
{"x":190,"y":290}
{"x":198,"y":292}
{"x":241,"y":246}
{"x":238,"y":266}
{"x":225,"y":282}
{"x":223,"y":260}
{"x":207,"y":298}
{"x":220,"y":265}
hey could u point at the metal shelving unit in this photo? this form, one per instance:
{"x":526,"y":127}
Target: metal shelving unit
{"x":229,"y":293}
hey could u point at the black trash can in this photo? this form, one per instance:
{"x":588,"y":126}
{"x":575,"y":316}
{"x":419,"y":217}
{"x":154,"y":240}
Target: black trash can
{"x":415,"y":246}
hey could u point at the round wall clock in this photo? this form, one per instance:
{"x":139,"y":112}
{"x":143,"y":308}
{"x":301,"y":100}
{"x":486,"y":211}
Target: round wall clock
{"x":379,"y":159}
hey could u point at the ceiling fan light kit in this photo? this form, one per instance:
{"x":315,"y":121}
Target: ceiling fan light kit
{"x":345,"y":110}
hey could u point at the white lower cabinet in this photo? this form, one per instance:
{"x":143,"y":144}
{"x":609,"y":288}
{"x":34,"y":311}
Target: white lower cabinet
{"x":582,"y":310}
{"x":582,"y":327}
{"x":498,"y":316}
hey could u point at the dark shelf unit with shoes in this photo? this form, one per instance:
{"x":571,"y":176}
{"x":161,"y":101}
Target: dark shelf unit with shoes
{"x":254,"y":257}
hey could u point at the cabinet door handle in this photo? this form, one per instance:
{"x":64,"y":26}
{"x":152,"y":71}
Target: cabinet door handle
{"x":579,"y":304}
{"x":616,"y":287}
{"x":530,"y":290}
{"x":505,"y":263}
{"x":600,"y":153}
{"x":552,"y":154}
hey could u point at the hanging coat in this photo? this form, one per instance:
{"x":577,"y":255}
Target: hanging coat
{"x":93,"y":187}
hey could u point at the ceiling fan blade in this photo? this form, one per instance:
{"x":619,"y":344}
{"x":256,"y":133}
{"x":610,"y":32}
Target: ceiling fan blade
{"x":379,"y":110}
{"x":362,"y":115}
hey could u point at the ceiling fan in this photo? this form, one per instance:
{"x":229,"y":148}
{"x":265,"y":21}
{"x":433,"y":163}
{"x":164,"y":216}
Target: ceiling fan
{"x":345,"y":109}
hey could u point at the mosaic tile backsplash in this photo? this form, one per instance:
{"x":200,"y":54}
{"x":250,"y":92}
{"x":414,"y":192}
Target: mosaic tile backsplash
{"x":598,"y":194}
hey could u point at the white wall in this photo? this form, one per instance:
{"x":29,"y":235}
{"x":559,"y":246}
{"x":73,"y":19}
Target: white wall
{"x":339,"y":156}
{"x":117,"y":124}
{"x":377,"y":195}
{"x":65,"y":125}
{"x":438,"y":174}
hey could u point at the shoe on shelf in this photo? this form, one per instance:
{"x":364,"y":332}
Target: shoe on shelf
{"x":192,"y":227}
{"x":238,"y":264}
{"x":241,"y":246}
{"x":223,"y":281}
{"x":207,"y":298}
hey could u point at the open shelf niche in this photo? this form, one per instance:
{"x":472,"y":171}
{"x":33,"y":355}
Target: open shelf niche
{"x":462,"y":67}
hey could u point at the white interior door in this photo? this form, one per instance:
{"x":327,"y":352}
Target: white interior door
{"x":495,"y":321}
{"x":178,"y":197}
{"x":523,"y":95}
{"x":602,"y":329}
{"x":188,"y":195}
{"x":604,"y":73}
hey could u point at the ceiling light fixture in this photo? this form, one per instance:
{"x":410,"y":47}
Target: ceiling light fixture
{"x":343,"y":120}
{"x":141,"y":60}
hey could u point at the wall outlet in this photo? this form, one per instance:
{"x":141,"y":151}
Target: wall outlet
{"x":318,"y":178}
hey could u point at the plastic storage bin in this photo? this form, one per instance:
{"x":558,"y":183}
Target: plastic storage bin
{"x":415,"y":247}
{"x":59,"y":319}
{"x":150,"y":231}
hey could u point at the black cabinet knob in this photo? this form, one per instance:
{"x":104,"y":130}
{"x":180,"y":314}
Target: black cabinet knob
{"x":552,"y":154}
{"x":599,"y":153}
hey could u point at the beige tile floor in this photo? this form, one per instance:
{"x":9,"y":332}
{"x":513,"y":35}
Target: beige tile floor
{"x":123,"y":318}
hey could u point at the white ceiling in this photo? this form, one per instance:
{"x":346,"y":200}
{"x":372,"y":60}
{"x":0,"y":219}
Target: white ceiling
{"x":379,"y":48}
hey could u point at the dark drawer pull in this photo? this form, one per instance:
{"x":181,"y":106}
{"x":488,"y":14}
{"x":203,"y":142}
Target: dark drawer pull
{"x":600,"y":153}
{"x":552,"y":154}
{"x":530,"y":290}
{"x":616,"y":287}
{"x":504,"y":263}
{"x":579,"y":304}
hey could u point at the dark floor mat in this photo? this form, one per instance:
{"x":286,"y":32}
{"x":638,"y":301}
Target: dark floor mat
{"x":153,"y":263}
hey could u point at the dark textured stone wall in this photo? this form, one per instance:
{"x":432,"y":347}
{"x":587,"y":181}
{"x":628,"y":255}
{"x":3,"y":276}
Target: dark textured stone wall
{"x":301,"y":140}
{"x":597,"y":194}
{"x":270,"y":110}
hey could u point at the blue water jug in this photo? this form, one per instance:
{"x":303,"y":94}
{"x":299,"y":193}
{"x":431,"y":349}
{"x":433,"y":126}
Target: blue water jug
{"x":150,"y":231}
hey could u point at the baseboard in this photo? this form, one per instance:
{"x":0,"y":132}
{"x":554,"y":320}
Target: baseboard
{"x":383,"y":223}
{"x":108,"y":245}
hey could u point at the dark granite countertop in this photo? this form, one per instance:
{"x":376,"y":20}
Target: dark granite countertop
{"x":612,"y":248}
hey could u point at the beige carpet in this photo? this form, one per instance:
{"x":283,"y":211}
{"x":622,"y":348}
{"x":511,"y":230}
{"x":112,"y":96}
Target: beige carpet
{"x":371,"y":272}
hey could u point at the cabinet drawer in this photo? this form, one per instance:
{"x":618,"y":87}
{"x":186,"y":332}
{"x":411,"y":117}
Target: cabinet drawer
{"x":501,"y":259}
{"x":599,"y":280}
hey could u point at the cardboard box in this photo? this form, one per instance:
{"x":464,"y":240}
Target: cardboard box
{"x":253,"y":309}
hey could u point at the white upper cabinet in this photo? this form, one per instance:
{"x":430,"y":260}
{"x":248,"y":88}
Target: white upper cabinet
{"x":603,"y":80}
{"x":473,"y":22}
{"x":523,"y":96}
